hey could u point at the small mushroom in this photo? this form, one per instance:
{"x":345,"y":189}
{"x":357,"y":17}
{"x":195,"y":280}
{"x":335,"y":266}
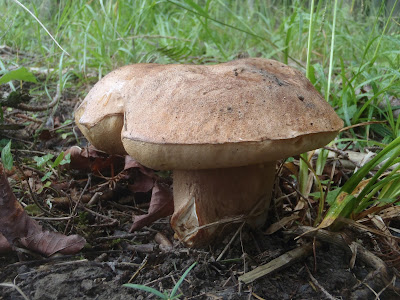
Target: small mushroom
{"x":221,"y":129}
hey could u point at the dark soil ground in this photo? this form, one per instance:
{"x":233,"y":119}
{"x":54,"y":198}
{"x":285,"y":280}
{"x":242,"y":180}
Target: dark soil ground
{"x":109,"y":260}
{"x":95,"y":274}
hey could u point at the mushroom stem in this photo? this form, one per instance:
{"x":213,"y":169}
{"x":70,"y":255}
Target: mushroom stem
{"x":202,"y":197}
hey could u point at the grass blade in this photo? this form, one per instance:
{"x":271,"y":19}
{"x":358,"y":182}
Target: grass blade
{"x":346,"y":202}
{"x":41,"y":24}
{"x":146,"y":289}
{"x":177,"y":285}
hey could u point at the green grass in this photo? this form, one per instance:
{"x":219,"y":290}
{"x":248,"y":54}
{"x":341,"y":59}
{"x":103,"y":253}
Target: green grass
{"x":361,"y":70}
{"x":165,"y":295}
{"x":101,"y":35}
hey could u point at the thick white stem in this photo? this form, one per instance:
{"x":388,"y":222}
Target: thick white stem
{"x":202,"y":197}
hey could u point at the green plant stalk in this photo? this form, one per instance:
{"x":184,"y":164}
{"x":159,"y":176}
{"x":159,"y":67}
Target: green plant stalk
{"x":310,"y":38}
{"x":328,"y":88}
{"x":321,"y":192}
{"x":322,"y":156}
{"x":387,"y":190}
{"x":383,"y":32}
{"x":360,"y":198}
{"x":303,"y":173}
{"x":392,"y":189}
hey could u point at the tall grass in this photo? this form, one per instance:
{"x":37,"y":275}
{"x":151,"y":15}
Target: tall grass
{"x":101,"y":35}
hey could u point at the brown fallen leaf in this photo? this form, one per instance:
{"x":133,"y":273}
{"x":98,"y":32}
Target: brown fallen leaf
{"x":143,"y":180}
{"x":17,"y":228}
{"x":48,"y":243}
{"x":90,"y":159}
{"x":161,"y":205}
{"x":4,"y":245}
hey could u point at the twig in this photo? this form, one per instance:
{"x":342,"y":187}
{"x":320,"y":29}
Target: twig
{"x":230,"y":220}
{"x":323,"y":290}
{"x":337,"y":239}
{"x":362,"y":124}
{"x":256,"y":296}
{"x":138,"y":270}
{"x":123,"y":236}
{"x":52,"y":219}
{"x":12,"y":285}
{"x":279,"y":263}
{"x":78,"y":202}
{"x":391,"y":283}
{"x":55,"y":100}
{"x":32,"y":195}
{"x":230,"y":242}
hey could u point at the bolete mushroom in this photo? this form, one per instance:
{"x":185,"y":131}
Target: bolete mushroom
{"x":221,"y":129}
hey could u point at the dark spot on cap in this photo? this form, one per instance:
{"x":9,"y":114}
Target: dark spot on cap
{"x":300,"y":97}
{"x":280,"y":83}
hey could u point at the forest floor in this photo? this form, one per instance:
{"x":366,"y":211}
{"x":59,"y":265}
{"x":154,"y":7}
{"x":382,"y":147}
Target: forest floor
{"x":113,"y":256}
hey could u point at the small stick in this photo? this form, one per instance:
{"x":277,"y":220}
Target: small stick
{"x":230,"y":242}
{"x":33,"y":197}
{"x":279,"y":263}
{"x":323,"y":290}
{"x":78,"y":202}
{"x":138,"y":270}
{"x":12,"y":285}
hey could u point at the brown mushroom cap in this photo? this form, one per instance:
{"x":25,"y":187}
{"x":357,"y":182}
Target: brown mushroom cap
{"x":238,"y":113}
{"x":100,"y":116}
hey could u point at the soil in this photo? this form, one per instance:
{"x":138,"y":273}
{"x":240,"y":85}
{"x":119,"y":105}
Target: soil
{"x":96,"y":274}
{"x":109,"y":261}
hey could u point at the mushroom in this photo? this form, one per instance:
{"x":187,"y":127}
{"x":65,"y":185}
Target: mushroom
{"x":221,"y":129}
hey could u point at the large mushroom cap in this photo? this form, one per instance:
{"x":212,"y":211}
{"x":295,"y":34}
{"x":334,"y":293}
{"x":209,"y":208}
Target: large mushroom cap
{"x":238,"y":113}
{"x":100,"y":116}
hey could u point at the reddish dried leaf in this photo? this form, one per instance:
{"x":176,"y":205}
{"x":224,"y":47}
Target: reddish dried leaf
{"x":16,"y":226}
{"x":130,"y":162}
{"x":90,"y":159}
{"x":161,"y":205}
{"x":4,"y":245}
{"x":48,"y":243}
{"x":144,"y":179}
{"x":45,"y":135}
{"x":142,"y":184}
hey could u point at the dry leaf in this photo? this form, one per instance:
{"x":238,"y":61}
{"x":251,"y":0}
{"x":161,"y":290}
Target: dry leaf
{"x":4,"y":245}
{"x":143,"y":179}
{"x":18,"y":228}
{"x":90,"y":159}
{"x":280,"y":224}
{"x":161,"y":205}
